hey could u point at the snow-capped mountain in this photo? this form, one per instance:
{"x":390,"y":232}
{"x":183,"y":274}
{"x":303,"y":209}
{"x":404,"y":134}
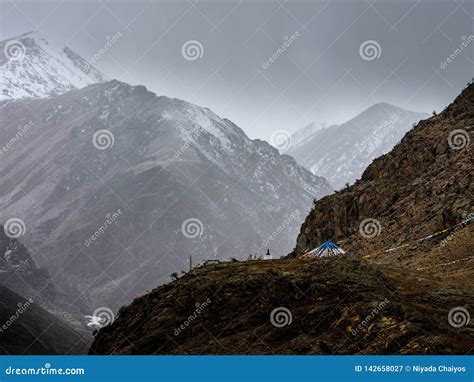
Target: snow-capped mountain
{"x":340,"y":153}
{"x":30,"y":66}
{"x":118,"y":187}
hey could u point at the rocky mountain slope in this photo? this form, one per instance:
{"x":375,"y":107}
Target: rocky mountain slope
{"x":25,"y":328}
{"x":118,"y":187}
{"x":31,"y":66}
{"x":340,"y":153}
{"x":414,"y":300}
{"x":333,"y":306}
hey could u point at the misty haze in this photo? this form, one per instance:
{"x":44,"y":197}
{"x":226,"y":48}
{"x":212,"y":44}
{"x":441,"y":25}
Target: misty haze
{"x":236,"y":177}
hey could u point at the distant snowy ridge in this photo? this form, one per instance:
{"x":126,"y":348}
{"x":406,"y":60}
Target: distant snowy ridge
{"x":340,"y":153}
{"x":30,"y":66}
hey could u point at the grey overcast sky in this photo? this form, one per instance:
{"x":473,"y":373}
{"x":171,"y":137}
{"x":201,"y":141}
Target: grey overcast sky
{"x":322,"y":75}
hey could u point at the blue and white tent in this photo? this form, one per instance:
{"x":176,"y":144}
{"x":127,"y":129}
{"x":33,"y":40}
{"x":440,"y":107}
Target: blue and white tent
{"x":327,"y":249}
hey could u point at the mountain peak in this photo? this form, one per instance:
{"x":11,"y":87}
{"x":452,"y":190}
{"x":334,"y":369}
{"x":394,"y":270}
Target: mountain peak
{"x":33,"y":67}
{"x":383,"y":105}
{"x":340,"y":153}
{"x":386,"y":108}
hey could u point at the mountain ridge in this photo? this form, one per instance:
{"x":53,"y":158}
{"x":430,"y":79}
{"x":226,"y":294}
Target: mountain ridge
{"x":167,"y":162}
{"x":340,"y":153}
{"x":33,"y":67}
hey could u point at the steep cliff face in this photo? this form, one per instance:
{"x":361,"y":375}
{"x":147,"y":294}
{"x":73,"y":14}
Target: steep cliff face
{"x":423,"y":185}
